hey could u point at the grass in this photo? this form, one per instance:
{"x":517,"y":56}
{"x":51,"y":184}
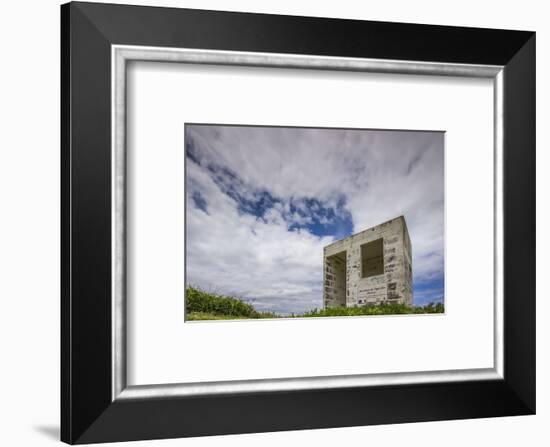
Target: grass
{"x":202,"y":305}
{"x":380,"y":309}
{"x":202,"y":316}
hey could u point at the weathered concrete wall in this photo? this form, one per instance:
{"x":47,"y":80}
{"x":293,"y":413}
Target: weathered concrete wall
{"x":366,"y":282}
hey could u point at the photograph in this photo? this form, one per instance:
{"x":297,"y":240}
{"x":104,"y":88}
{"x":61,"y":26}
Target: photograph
{"x":296,"y":222}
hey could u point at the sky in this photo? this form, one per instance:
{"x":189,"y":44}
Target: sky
{"x":262,"y":202}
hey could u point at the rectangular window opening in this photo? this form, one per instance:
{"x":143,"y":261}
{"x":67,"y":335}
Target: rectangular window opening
{"x":372,"y":258}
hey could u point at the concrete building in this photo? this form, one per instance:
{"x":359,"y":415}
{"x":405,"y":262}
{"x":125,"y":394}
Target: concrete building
{"x":370,"y":267}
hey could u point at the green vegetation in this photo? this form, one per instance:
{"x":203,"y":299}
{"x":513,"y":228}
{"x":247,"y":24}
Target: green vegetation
{"x":201,"y":305}
{"x":202,"y":316}
{"x":381,"y":309}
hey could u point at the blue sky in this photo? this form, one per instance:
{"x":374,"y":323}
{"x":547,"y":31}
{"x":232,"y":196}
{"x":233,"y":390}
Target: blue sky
{"x":262,"y":202}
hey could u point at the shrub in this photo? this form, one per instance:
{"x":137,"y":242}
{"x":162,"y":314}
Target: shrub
{"x":200,"y":301}
{"x":379,"y":309}
{"x":201,"y":305}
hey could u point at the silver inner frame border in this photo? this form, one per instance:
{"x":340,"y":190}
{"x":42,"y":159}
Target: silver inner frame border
{"x":120,"y":56}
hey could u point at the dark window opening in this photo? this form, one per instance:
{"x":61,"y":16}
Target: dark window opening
{"x":372,"y":258}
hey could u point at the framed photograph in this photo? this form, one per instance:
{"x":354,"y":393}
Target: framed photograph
{"x":278,"y":223}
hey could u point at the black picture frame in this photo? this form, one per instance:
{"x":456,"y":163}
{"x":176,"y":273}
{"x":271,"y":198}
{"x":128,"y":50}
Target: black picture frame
{"x":88,"y":412}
